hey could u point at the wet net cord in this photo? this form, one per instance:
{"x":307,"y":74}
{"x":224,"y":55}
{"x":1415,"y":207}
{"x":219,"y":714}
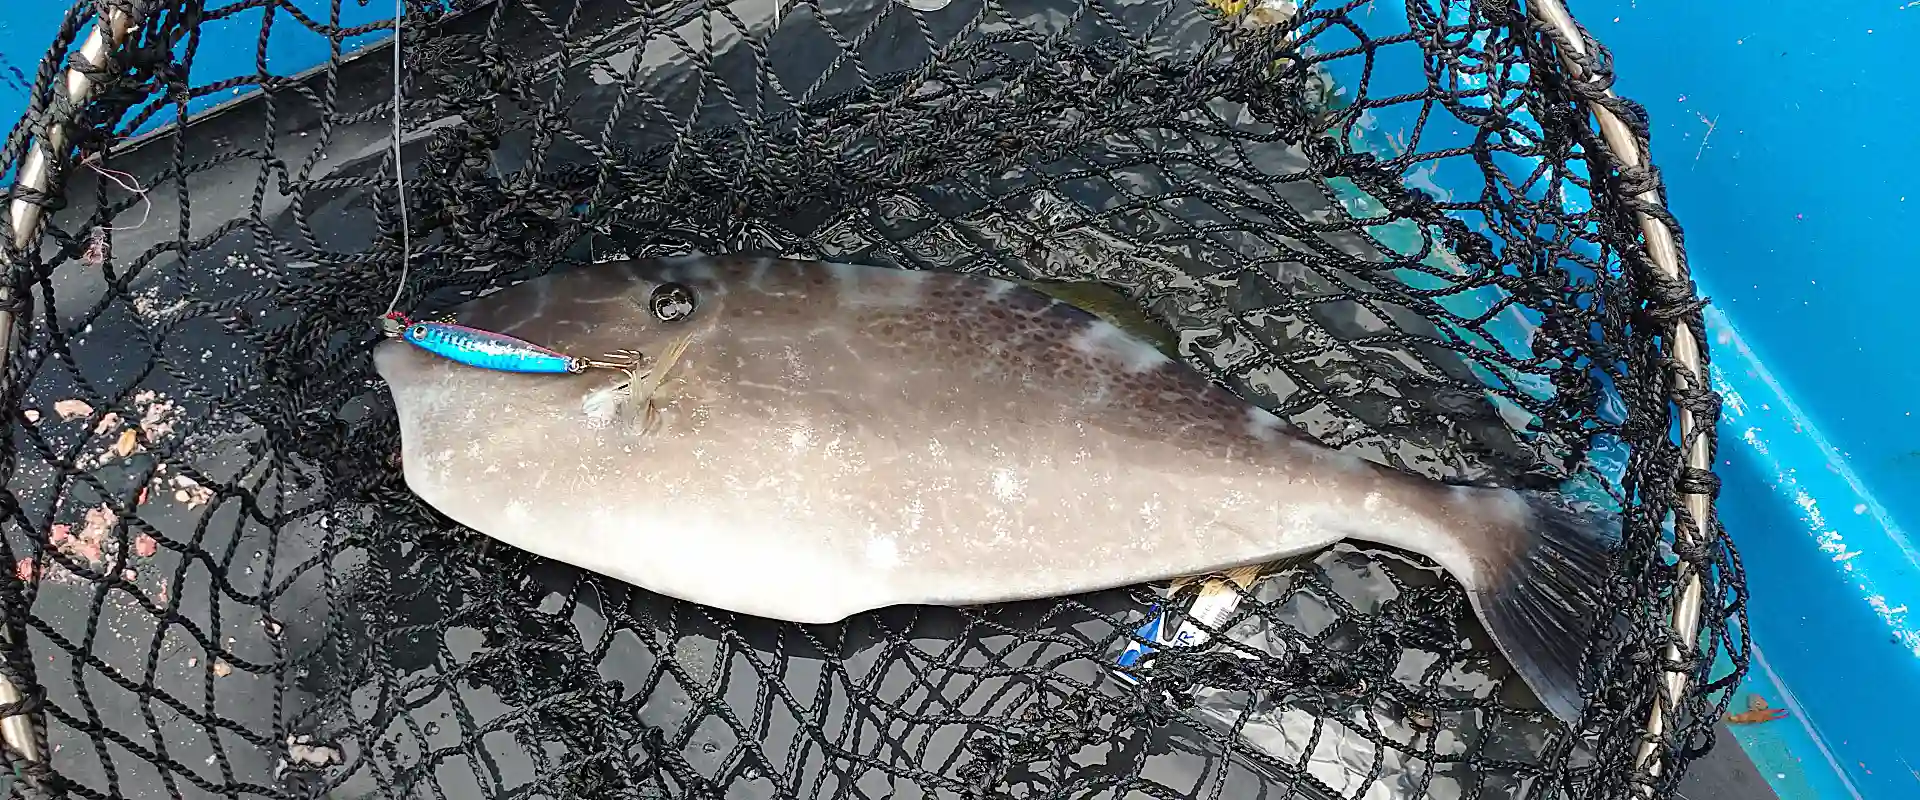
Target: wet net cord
{"x":1698,"y":405}
{"x":24,"y":740}
{"x":241,"y":598}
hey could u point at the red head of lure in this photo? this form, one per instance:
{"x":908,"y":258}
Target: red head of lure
{"x":482,"y":349}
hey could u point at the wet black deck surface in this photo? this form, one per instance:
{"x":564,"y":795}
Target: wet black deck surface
{"x":1725,"y":774}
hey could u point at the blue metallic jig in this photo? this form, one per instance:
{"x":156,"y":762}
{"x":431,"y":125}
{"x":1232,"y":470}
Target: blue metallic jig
{"x":496,"y":351}
{"x":488,"y":350}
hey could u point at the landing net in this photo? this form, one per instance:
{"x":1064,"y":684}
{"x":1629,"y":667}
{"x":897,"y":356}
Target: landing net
{"x":1398,"y":225}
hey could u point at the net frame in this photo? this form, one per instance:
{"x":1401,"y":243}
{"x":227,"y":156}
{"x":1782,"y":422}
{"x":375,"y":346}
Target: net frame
{"x":1686,"y":372}
{"x":22,"y":737}
{"x":1687,"y":387}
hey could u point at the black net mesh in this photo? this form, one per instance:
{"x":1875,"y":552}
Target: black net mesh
{"x":224,"y":588}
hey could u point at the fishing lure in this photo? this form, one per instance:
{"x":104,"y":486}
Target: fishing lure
{"x":497,"y":351}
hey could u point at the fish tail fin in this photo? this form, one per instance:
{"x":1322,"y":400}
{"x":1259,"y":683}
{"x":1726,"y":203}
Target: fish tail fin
{"x":1542,"y":608}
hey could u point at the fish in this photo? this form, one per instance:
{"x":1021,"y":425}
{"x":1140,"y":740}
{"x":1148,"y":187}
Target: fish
{"x":828,"y":439}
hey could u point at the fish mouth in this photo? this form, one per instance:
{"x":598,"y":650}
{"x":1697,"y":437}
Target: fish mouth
{"x":394,"y":360}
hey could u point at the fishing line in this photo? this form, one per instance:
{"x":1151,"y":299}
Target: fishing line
{"x":399,"y":172}
{"x":96,"y":252}
{"x":132,"y":185}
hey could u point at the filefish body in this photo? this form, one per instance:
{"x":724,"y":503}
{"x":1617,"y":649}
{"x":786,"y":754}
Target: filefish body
{"x":837,"y":438}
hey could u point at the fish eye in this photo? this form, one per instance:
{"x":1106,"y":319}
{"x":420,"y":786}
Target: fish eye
{"x":671,"y":302}
{"x":417,"y":330}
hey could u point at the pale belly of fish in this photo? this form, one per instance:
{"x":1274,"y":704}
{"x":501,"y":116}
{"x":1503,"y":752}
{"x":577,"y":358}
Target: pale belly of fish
{"x":835,"y":439}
